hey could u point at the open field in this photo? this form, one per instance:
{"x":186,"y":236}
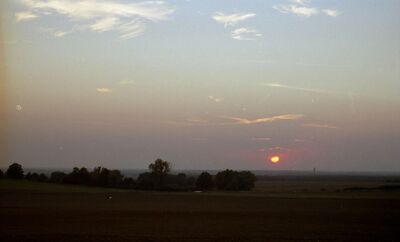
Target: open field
{"x":279,"y":210}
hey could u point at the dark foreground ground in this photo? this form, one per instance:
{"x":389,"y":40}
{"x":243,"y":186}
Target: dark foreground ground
{"x":46,"y":212}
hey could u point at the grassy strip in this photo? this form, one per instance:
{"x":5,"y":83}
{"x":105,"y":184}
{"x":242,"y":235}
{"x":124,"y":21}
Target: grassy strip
{"x":9,"y":184}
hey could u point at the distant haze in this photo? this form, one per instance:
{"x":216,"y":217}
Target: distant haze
{"x":203,"y":84}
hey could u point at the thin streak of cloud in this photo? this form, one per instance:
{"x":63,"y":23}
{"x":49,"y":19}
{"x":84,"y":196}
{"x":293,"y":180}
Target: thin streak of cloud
{"x":321,"y":91}
{"x":300,"y":2}
{"x":128,"y":19}
{"x":351,"y":96}
{"x":216,"y":99}
{"x":246,"y":121}
{"x":331,"y":12}
{"x":231,"y":19}
{"x":25,"y":16}
{"x":245,"y":34}
{"x":105,"y":24}
{"x":303,"y":8}
{"x":297,"y":10}
{"x":60,"y":33}
{"x":322,"y":126}
{"x":261,"y":139}
{"x":103,"y":90}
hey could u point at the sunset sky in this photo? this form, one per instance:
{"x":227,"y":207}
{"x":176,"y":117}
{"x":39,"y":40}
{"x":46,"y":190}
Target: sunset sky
{"x":203,"y":84}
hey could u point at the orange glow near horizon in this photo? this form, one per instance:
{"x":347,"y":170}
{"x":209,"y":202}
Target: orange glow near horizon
{"x":275,"y":159}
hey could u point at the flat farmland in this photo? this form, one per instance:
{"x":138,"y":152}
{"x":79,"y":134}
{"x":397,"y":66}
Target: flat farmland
{"x":49,"y":212}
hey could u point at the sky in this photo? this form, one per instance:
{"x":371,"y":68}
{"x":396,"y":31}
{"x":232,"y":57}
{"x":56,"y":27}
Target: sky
{"x":203,"y":84}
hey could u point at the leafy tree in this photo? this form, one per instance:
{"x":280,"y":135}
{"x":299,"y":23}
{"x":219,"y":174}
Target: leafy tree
{"x":146,"y":181}
{"x":28,"y":176}
{"x":234,"y":180}
{"x":33,"y":177}
{"x":78,"y":176}
{"x":128,"y":183}
{"x":159,"y":170}
{"x":42,"y":178}
{"x":223,"y":179}
{"x":15,"y":171}
{"x":247,"y":180}
{"x":57,"y":177}
{"x":99,"y":176}
{"x":1,"y":174}
{"x":160,"y":167}
{"x":114,"y":178}
{"x":204,"y":181}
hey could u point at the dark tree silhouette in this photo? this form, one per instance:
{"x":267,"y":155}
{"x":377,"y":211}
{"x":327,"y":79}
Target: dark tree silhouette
{"x":99,"y":176}
{"x":32,"y":176}
{"x":128,"y":183}
{"x":234,"y":180}
{"x":1,"y":174}
{"x":57,"y":177}
{"x":146,"y":181}
{"x":78,"y":176}
{"x":204,"y":181}
{"x":15,"y":171}
{"x":247,"y":180}
{"x":42,"y":177}
{"x":160,"y":167}
{"x":159,"y":170}
{"x":114,"y":178}
{"x":28,"y":176}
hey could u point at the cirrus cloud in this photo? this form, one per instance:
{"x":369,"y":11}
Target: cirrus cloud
{"x":331,"y":12}
{"x":321,"y":126}
{"x":103,"y":90}
{"x":231,"y":19}
{"x":266,"y":119}
{"x":304,"y":9}
{"x":245,"y":34}
{"x":128,"y":19}
{"x":24,"y":16}
{"x":297,"y":10}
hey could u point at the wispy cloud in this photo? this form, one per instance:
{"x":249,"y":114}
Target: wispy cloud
{"x":128,"y":19}
{"x":277,"y":85}
{"x":301,"y":2}
{"x":331,"y":12}
{"x":18,"y":107}
{"x":216,"y":99}
{"x":303,"y":8}
{"x":260,"y":139}
{"x":266,"y":119}
{"x":59,"y":33}
{"x":104,"y":90}
{"x":231,"y":19}
{"x":297,"y":10}
{"x":245,"y":34}
{"x":25,"y":16}
{"x":322,"y":126}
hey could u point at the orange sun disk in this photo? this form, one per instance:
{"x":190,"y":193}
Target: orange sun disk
{"x":274,"y":159}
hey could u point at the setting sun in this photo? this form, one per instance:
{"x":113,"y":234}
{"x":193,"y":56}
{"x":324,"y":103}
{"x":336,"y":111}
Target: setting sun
{"x":275,"y":159}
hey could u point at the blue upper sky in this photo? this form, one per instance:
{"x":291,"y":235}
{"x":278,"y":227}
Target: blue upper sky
{"x":205,"y":84}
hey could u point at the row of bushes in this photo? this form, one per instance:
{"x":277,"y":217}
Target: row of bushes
{"x":158,"y":178}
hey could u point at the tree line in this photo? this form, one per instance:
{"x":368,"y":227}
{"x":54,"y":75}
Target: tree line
{"x":157,"y":178}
